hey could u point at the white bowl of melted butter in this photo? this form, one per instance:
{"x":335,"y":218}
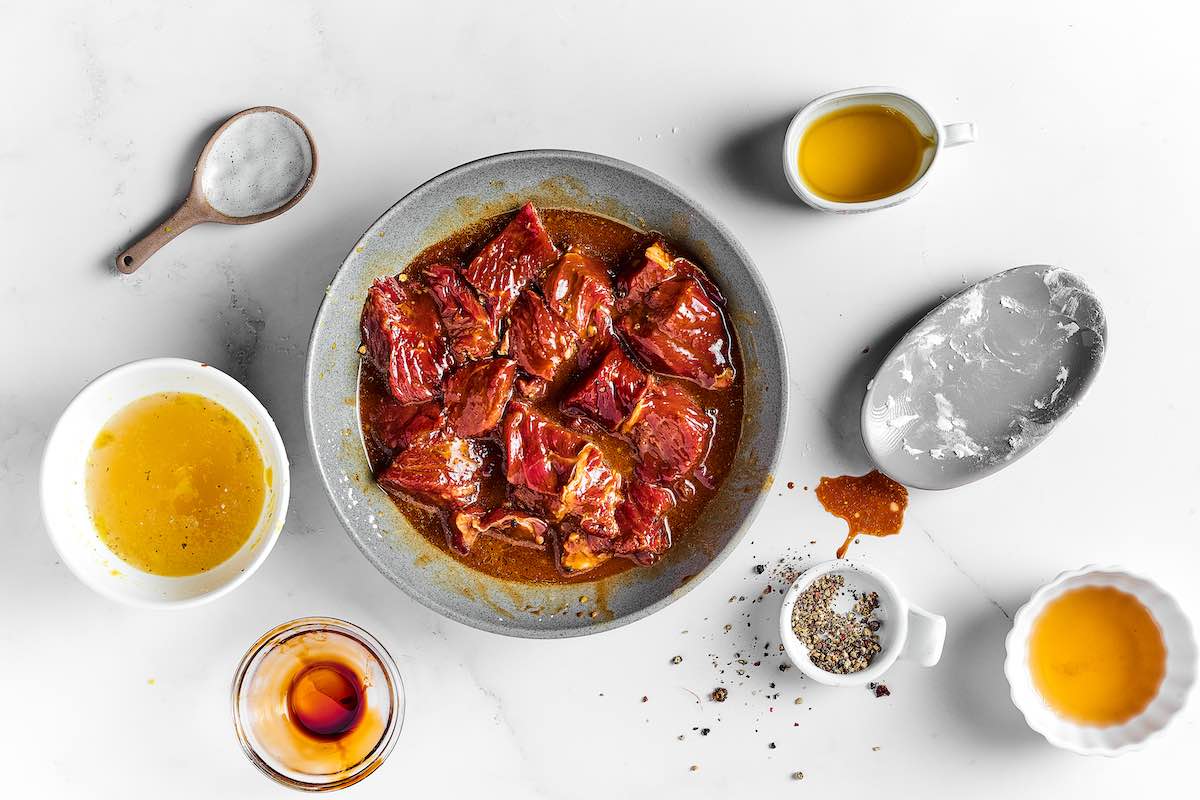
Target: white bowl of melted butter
{"x":165,"y":483}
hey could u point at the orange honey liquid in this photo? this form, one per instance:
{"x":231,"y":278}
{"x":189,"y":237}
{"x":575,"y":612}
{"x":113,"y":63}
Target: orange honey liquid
{"x":1097,"y":656}
{"x":861,"y":153}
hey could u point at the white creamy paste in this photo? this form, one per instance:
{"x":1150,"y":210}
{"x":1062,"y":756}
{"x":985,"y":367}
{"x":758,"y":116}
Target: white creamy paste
{"x":258,"y":164}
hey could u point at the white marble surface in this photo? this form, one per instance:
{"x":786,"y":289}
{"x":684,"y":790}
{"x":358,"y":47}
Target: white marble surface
{"x":1086,"y":158}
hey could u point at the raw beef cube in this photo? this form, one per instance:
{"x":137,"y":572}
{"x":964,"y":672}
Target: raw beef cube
{"x":642,"y":519}
{"x":507,"y":263}
{"x":508,"y":524}
{"x":477,"y":394}
{"x":671,"y":434}
{"x":610,"y":392}
{"x":539,"y":340}
{"x":396,"y":427}
{"x":403,"y":338}
{"x":679,"y":330}
{"x":471,"y":329}
{"x":440,"y":469}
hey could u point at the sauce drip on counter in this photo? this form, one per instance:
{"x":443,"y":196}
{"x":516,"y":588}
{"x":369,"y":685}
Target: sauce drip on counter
{"x":175,"y":484}
{"x":872,"y":504}
{"x":326,"y":700}
{"x":1097,"y":655}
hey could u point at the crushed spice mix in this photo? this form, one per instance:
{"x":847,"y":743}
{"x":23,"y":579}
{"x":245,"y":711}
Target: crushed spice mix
{"x":837,"y":643}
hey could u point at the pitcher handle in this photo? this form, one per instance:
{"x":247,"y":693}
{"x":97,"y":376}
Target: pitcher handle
{"x":957,"y":133}
{"x":926,"y":635}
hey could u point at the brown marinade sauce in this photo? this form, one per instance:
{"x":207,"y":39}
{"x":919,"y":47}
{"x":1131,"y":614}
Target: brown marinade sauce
{"x":616,"y":244}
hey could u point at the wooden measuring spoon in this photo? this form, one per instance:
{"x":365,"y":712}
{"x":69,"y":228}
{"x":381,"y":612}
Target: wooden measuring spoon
{"x":197,"y":207}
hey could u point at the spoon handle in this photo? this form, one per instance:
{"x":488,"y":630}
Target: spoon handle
{"x":187,"y":215}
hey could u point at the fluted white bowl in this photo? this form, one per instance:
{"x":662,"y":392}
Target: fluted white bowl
{"x":1110,"y":740}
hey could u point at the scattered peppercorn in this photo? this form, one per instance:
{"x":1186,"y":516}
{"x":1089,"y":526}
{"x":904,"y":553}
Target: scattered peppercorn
{"x":797,"y":776}
{"x":705,"y":731}
{"x":771,"y":746}
{"x":760,"y":568}
{"x":880,"y":689}
{"x":645,"y":698}
{"x":720,"y":694}
{"x":677,"y":660}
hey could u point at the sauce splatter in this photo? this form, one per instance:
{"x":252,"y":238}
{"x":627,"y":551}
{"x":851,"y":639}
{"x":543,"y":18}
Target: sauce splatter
{"x":872,"y":504}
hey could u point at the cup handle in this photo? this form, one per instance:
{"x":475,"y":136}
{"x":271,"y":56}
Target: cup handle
{"x":957,"y":133}
{"x":926,"y":635}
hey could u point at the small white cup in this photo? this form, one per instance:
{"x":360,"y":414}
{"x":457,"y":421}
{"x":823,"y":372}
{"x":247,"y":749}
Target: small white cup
{"x":906,"y":631}
{"x":943,"y":136}
{"x":1110,"y":740}
{"x":64,"y":498}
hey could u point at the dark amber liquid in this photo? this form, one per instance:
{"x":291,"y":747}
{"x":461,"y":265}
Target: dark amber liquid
{"x":326,"y":700}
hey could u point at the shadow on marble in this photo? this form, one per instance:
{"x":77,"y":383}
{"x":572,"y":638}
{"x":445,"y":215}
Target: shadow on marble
{"x":843,"y":403}
{"x":972,"y":672}
{"x":752,"y":160}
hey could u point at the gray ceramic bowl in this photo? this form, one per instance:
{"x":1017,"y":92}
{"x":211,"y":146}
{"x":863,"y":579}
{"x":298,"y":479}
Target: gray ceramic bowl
{"x":562,"y":179}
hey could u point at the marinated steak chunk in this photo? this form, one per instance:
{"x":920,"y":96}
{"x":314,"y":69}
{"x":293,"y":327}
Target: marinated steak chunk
{"x":671,"y":316}
{"x":477,"y":394}
{"x":531,"y":388}
{"x":403,"y":338}
{"x":539,"y":340}
{"x":559,"y":472}
{"x":642,"y":519}
{"x":610,"y":392}
{"x":438,"y":469}
{"x":471,"y":329}
{"x":509,"y":524}
{"x":592,"y":494}
{"x":396,"y":427}
{"x":671,"y":433}
{"x":579,"y":290}
{"x":679,"y":330}
{"x":539,"y":454}
{"x":507,"y":263}
{"x":656,"y":266}
{"x":578,"y":552}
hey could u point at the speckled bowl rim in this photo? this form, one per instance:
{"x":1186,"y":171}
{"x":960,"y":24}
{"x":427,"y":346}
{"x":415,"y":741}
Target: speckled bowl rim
{"x":769,"y":460}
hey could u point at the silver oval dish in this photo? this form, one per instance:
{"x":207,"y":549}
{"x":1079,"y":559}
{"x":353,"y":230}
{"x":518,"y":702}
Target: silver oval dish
{"x":984,"y":377}
{"x":445,"y":204}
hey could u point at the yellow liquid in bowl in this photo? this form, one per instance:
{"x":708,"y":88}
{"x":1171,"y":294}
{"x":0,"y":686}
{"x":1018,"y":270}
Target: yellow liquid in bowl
{"x":175,"y":484}
{"x":861,"y":153}
{"x":1097,"y":655}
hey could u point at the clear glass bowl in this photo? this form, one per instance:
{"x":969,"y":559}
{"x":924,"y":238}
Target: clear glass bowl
{"x":275,"y":744}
